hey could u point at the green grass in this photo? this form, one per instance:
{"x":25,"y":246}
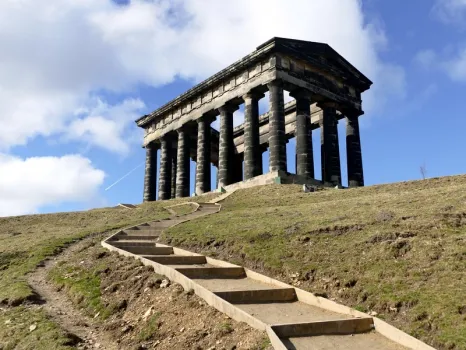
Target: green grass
{"x":183,"y":209}
{"x":83,"y":286}
{"x":397,"y":249}
{"x":150,"y":328}
{"x":25,"y":241}
{"x":15,"y":333}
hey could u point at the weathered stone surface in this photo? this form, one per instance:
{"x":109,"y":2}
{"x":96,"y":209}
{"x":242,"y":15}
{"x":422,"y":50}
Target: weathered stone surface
{"x":314,"y":66}
{"x":226,"y":146}
{"x":165,"y":168}
{"x":277,"y":140}
{"x":304,"y":151}
{"x":305,"y":69}
{"x":203,"y":155}
{"x":252,"y":153}
{"x":330,"y":151}
{"x":150,"y":177}
{"x":183,"y":170}
{"x":353,"y":153}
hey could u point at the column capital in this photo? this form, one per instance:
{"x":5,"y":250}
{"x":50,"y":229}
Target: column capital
{"x":275,"y":83}
{"x":205,"y":118}
{"x":327,"y":104}
{"x":301,"y":93}
{"x":152,"y":145}
{"x":353,"y":114}
{"x":252,"y":95}
{"x":228,"y":108}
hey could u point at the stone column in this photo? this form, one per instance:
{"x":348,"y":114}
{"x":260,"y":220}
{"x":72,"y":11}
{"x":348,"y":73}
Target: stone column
{"x":203,"y":155}
{"x":252,"y":153}
{"x":183,"y":168}
{"x":330,"y":151}
{"x":150,"y":178}
{"x":173,"y":174}
{"x":353,"y":153}
{"x":226,"y":146}
{"x":165,"y":168}
{"x":304,"y":152}
{"x":277,"y":140}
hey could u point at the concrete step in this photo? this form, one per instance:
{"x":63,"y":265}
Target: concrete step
{"x":213,"y":272}
{"x":258,"y":296}
{"x":342,"y":326}
{"x":290,"y":312}
{"x":153,"y":250}
{"x":177,"y":259}
{"x":133,"y":241}
{"x":362,"y":341}
{"x":149,"y":238}
{"x":237,"y":284}
{"x":144,"y":230}
{"x":152,"y":232}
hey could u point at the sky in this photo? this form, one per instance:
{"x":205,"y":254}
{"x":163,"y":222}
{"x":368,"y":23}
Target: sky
{"x":75,"y":74}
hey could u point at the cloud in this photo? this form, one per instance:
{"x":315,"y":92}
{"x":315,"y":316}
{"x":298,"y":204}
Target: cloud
{"x":450,"y":11}
{"x":451,"y":61}
{"x":106,"y":126}
{"x":28,"y":184}
{"x":455,"y":66}
{"x":425,"y":58}
{"x":63,"y":65}
{"x":57,"y":56}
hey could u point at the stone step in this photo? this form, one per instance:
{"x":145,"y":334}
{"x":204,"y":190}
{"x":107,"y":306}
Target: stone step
{"x":237,"y":284}
{"x":258,"y":295}
{"x":213,"y":272}
{"x":151,"y":232}
{"x":131,"y":241}
{"x":307,"y":329}
{"x":144,"y":229}
{"x":149,"y":238}
{"x":148,"y":250}
{"x":290,"y":312}
{"x":362,"y":341}
{"x":177,"y":259}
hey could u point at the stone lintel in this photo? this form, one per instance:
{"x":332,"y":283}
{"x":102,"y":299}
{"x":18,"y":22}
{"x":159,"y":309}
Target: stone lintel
{"x":237,"y":93}
{"x":291,"y":82}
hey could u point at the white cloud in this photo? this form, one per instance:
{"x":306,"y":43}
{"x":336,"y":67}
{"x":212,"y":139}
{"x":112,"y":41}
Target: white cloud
{"x":425,"y":58}
{"x":450,"y":61}
{"x":450,"y":11}
{"x":28,"y":184}
{"x":455,"y":66}
{"x":106,"y":126}
{"x":56,"y":54}
{"x":59,"y":58}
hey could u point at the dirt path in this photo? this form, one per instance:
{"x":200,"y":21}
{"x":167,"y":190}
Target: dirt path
{"x":63,"y":312}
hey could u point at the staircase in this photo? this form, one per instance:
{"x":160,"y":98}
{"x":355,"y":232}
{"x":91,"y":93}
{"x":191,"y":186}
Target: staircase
{"x":292,"y":318}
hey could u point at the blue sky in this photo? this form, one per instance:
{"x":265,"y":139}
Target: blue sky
{"x":75,"y":75}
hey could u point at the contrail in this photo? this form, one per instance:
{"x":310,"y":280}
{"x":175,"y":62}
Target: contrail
{"x":117,"y":181}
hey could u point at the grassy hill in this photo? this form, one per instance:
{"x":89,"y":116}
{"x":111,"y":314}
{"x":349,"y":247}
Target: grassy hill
{"x":397,"y":250}
{"x":25,"y":241}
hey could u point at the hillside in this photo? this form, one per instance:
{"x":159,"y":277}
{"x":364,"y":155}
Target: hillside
{"x":394,"y":250}
{"x":397,"y":250}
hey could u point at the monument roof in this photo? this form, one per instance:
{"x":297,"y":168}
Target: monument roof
{"x":319,"y":55}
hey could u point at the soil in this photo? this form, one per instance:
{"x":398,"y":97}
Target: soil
{"x":147,"y":311}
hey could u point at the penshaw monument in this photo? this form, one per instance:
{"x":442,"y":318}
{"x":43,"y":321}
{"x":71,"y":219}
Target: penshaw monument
{"x":326,"y":88}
